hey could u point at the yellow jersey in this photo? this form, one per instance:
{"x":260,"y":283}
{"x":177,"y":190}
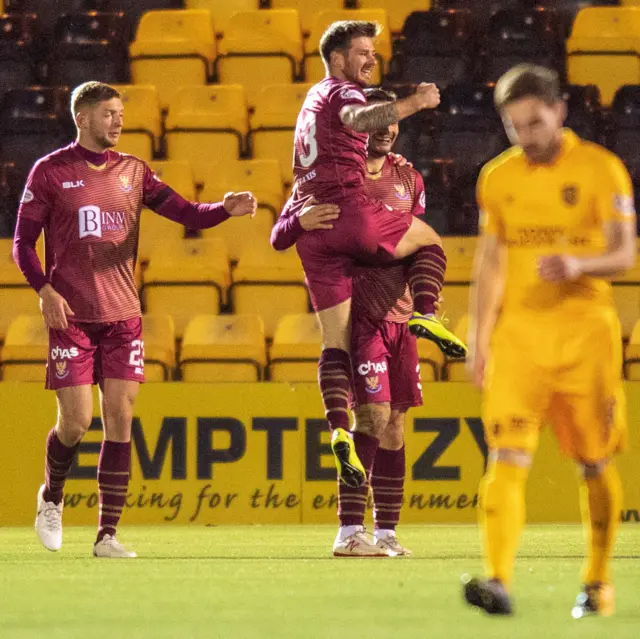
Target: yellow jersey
{"x":557,"y":208}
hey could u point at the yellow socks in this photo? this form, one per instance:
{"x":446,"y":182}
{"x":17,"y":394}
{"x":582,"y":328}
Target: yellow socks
{"x":601,"y":501}
{"x":502,"y":516}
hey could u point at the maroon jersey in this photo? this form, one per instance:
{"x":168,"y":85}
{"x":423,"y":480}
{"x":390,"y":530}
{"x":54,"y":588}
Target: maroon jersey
{"x":381,"y":292}
{"x":329,"y":158}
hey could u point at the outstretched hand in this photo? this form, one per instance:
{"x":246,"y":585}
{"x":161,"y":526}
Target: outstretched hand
{"x":239,"y":204}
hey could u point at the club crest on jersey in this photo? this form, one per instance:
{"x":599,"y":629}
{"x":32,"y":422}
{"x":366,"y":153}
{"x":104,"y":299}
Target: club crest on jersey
{"x":125,"y":184}
{"x":570,"y":194}
{"x":373,"y":385}
{"x":401,"y":192}
{"x":61,"y":369}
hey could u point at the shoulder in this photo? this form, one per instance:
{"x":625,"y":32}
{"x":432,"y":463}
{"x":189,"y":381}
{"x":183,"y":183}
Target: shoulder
{"x":409,"y":174}
{"x":55,"y":159}
{"x":599,"y":156}
{"x":502,"y":166}
{"x":345,"y":91}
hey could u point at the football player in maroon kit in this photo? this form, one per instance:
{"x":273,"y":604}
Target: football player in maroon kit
{"x":330,"y":165}
{"x":386,"y":369}
{"x":87,"y":198}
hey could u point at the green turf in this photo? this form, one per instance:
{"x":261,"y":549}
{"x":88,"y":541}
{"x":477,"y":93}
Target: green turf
{"x":238,"y":582}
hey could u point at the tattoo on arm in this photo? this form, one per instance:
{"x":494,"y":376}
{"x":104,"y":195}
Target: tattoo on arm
{"x":367,"y":119}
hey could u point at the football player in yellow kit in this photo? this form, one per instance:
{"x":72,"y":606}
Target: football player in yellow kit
{"x":558,"y":220}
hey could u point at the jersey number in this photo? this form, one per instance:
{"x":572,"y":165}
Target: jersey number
{"x":309,"y":141}
{"x":136,"y":357}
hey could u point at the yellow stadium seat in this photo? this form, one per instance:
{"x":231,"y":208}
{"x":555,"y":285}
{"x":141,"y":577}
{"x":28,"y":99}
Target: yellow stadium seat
{"x":270,"y":284}
{"x":16,"y":296}
{"x":173,"y":49}
{"x":313,"y":66}
{"x":222,"y":10}
{"x":296,"y":347}
{"x":178,"y":175}
{"x":456,"y":302}
{"x":273,"y":124}
{"x":225,"y":348}
{"x":397,"y":10}
{"x":455,"y":368}
{"x":185,"y":279}
{"x":260,"y":48}
{"x":632,"y":355}
{"x":604,"y":49}
{"x":24,"y":354}
{"x":206,"y":125}
{"x":460,"y":252}
{"x":627,"y":300}
{"x":155,"y":231}
{"x":158,"y":332}
{"x":307,"y":9}
{"x":142,"y":120}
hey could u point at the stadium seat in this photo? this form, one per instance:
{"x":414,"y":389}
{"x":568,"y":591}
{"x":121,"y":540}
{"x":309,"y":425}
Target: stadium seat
{"x":34,"y":122}
{"x":516,"y":36}
{"x":584,"y":110}
{"x":142,"y":121}
{"x":24,"y":354}
{"x":438,"y":177}
{"x":270,"y":284}
{"x":17,"y":51}
{"x":156,"y":230}
{"x":133,"y":11}
{"x":89,"y":46}
{"x":186,"y":278}
{"x":623,"y":135}
{"x":173,"y":49}
{"x":314,"y":67}
{"x":178,"y":175}
{"x":626,"y":297}
{"x":16,"y":296}
{"x":307,"y":9}
{"x":206,"y":125}
{"x":296,"y":348}
{"x":48,"y":13}
{"x":226,"y":348}
{"x":397,"y":10}
{"x":159,"y":347}
{"x":460,"y":252}
{"x":431,"y":361}
{"x":260,"y":48}
{"x":438,"y":45}
{"x":568,"y":9}
{"x":604,"y":49}
{"x":222,"y":10}
{"x":455,"y":368}
{"x":11,"y":183}
{"x":456,"y":302}
{"x":632,"y":355}
{"x":273,"y":124}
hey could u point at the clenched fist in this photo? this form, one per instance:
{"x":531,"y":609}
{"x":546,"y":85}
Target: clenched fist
{"x":238,"y":204}
{"x":427,"y":95}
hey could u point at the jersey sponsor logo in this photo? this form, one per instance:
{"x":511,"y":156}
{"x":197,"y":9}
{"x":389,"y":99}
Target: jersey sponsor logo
{"x":308,"y":177}
{"x":352,"y":94}
{"x":537,"y":237}
{"x":73,"y":185}
{"x":423,"y":200}
{"x":64,"y":353}
{"x":373,"y":385}
{"x":61,"y":370}
{"x":376,"y":367}
{"x":401,"y":192}
{"x":27,"y":196}
{"x":624,"y":205}
{"x":125,"y":184}
{"x":570,"y":194}
{"x":93,"y":221}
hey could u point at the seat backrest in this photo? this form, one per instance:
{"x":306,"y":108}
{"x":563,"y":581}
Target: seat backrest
{"x":397,"y":10}
{"x":264,"y":31}
{"x":471,"y":103}
{"x":530,"y":31}
{"x":177,"y":174}
{"x":438,"y":32}
{"x":141,"y":107}
{"x":297,"y":336}
{"x":92,"y":27}
{"x":307,"y":9}
{"x":35,"y":110}
{"x":607,"y":23}
{"x":26,"y":336}
{"x":159,"y":330}
{"x":188,"y":25}
{"x":625,"y":110}
{"x":222,"y":10}
{"x":278,"y":105}
{"x":17,"y":32}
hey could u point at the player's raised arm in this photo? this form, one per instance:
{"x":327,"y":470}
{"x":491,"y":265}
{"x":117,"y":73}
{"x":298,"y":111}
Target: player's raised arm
{"x":370,"y":118}
{"x":162,"y":199}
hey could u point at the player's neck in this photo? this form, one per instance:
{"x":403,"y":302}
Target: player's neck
{"x":375,"y":164}
{"x":92,"y":152}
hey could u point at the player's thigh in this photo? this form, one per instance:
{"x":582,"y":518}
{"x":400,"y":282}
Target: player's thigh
{"x":121,"y":351}
{"x":335,"y":325}
{"x":404,"y":366}
{"x":71,"y":358}
{"x":392,"y":437}
{"x":75,"y":412}
{"x":418,"y":234}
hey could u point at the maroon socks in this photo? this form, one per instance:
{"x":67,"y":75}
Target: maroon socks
{"x":387,"y":483}
{"x":334,"y":378}
{"x":426,"y":277}
{"x":58,"y":461}
{"x":113,"y":481}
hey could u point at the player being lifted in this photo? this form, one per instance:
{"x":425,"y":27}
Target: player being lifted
{"x":384,"y":355}
{"x":88,"y":200}
{"x":330,"y":166}
{"x":558,"y":219}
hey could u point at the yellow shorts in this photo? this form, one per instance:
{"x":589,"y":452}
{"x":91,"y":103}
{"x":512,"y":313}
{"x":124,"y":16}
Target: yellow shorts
{"x":562,"y":370}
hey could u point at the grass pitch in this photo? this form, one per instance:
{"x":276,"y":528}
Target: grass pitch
{"x":237,"y":582}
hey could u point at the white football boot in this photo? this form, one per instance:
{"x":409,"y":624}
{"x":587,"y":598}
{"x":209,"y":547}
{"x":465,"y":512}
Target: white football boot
{"x":110,"y":548}
{"x":388,"y":541}
{"x":49,"y":522}
{"x":357,"y":544}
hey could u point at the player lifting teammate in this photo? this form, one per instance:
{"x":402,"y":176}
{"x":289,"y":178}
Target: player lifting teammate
{"x":385,"y":361}
{"x":330,"y":166}
{"x":87,"y":198}
{"x":558,"y":220}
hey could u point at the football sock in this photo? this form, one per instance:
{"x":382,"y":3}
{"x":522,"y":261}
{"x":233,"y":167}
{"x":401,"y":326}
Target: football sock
{"x":58,"y":461}
{"x":502,"y":516}
{"x":387,"y":483}
{"x":352,"y":502}
{"x":601,"y":501}
{"x":426,"y":277}
{"x":334,"y":378}
{"x":113,"y":481}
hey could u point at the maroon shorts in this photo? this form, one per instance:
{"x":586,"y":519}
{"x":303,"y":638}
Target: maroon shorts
{"x":87,"y":353}
{"x":366,"y":230}
{"x":385,"y":362}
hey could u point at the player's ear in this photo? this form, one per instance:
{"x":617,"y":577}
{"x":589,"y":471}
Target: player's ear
{"x":561,"y":108}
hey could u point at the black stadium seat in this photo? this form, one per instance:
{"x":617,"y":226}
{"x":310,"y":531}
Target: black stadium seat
{"x":11,"y":183}
{"x":438,"y":175}
{"x":48,"y":11}
{"x":133,"y":10}
{"x":89,"y":46}
{"x":623,"y":136}
{"x":17,"y":51}
{"x":34,"y":122}
{"x":584,"y":110}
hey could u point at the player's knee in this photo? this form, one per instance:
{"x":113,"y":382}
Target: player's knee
{"x":393,"y":436}
{"x":590,"y":470}
{"x":372,"y":419}
{"x":72,"y":426}
{"x":512,"y":456}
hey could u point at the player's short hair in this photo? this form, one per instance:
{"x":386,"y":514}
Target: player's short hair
{"x":338,"y":35}
{"x":527,"y":81}
{"x":90,"y":94}
{"x":377,"y":94}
